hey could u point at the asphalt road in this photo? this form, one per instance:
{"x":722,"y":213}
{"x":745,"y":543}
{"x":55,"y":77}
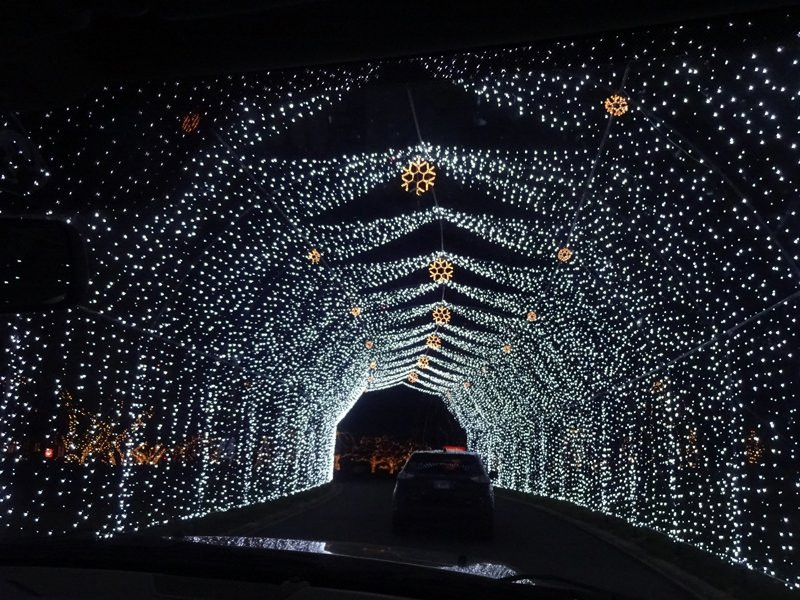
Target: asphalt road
{"x":526,"y":539}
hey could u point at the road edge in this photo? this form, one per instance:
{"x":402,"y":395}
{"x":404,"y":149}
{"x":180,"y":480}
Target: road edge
{"x":695,"y":587}
{"x":334,"y":490}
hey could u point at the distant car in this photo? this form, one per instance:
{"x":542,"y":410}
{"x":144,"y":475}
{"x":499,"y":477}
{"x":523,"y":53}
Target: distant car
{"x":439,"y":486}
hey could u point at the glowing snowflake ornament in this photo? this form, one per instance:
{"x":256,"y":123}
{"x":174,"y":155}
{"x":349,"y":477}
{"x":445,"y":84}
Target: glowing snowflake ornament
{"x":441,"y":315}
{"x":433,"y":341}
{"x":420,"y":174}
{"x":355,"y":311}
{"x":423,"y":362}
{"x":314,"y":256}
{"x":564,"y":254}
{"x":413,"y":377}
{"x":441,"y":270}
{"x":616,"y":105}
{"x":532,"y":316}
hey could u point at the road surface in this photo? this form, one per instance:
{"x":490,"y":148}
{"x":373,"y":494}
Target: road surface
{"x":526,"y":539}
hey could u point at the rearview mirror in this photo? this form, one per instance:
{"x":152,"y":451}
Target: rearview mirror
{"x":42,"y":265}
{"x":492,"y":475}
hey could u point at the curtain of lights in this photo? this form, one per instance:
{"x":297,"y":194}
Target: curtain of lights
{"x":628,"y":342}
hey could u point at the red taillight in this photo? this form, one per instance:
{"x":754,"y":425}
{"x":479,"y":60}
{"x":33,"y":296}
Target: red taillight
{"x":455,"y":448}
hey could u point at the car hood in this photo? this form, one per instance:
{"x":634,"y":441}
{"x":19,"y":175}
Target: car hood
{"x":394,"y":554}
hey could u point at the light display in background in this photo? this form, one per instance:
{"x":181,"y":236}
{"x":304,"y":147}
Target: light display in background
{"x":622,"y":331}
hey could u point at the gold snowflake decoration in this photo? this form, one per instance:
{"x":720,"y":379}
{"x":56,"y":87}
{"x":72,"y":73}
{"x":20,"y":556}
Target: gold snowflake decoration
{"x":355,"y":311}
{"x":373,"y":364}
{"x":413,"y":377}
{"x":467,"y":384}
{"x":314,"y":256}
{"x":532,"y":316}
{"x":433,"y":341}
{"x":564,"y":254}
{"x":369,"y":344}
{"x":616,"y":105}
{"x":440,"y":270}
{"x":507,"y":348}
{"x":441,"y":315}
{"x":423,"y":362}
{"x":420,"y":174}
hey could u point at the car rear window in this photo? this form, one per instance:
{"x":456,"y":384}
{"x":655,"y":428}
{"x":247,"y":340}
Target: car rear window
{"x":443,"y":464}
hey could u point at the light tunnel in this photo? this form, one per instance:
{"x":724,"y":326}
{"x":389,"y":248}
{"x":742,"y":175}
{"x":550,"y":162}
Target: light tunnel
{"x":619,"y":218}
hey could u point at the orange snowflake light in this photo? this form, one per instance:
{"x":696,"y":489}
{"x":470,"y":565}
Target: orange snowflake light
{"x":314,"y":256}
{"x":413,"y":377}
{"x":369,"y":344}
{"x":423,"y":362}
{"x":564,"y":254}
{"x":467,"y":385}
{"x":355,"y":311}
{"x":507,"y":348}
{"x":420,"y":174}
{"x":441,"y":315}
{"x":616,"y":105}
{"x":532,"y":316}
{"x":441,"y":270}
{"x":433,"y":341}
{"x":373,"y":364}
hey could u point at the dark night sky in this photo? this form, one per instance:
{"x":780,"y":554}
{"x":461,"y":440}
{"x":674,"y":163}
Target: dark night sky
{"x":403,"y":413}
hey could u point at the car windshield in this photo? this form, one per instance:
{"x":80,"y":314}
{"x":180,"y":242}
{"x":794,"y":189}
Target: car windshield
{"x":566,"y":269}
{"x":433,"y":464}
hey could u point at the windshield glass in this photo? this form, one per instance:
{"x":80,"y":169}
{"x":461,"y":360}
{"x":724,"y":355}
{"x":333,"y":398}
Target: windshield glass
{"x":576,"y":258}
{"x":433,"y":464}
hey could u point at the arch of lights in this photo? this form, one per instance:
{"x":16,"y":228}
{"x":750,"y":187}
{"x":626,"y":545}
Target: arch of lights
{"x":647,"y":371}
